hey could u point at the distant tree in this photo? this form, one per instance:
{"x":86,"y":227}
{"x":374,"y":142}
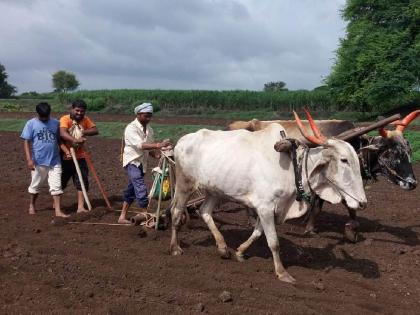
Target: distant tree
{"x":275,"y":86}
{"x":321,"y":88}
{"x":6,"y":90}
{"x":30,"y":94}
{"x":377,"y":64}
{"x":64,"y":81}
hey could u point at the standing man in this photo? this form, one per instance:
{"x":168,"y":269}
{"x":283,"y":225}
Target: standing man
{"x":139,"y":143}
{"x":69,"y":124}
{"x":43,"y":160}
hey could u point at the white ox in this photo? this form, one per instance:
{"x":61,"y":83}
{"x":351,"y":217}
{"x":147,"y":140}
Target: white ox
{"x":243,"y":166}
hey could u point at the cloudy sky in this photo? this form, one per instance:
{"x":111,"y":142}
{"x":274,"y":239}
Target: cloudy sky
{"x":170,"y":44}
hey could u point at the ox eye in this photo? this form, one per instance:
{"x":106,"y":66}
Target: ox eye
{"x":344,"y":160}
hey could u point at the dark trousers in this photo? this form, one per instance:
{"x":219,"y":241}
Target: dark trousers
{"x":69,"y":171}
{"x":136,"y":188}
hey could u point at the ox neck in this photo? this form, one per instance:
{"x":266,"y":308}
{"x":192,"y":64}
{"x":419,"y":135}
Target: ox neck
{"x":309,"y":157}
{"x":304,"y":159}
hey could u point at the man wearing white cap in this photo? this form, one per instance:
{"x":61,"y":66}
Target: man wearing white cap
{"x":139,"y":143}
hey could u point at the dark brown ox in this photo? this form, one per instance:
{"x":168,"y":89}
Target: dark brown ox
{"x":388,"y":155}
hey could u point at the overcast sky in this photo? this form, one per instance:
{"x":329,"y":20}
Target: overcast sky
{"x":170,"y":44}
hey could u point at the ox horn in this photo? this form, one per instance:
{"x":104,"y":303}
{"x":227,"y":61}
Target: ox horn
{"x":318,"y":138}
{"x":313,"y":125}
{"x":407,"y":120}
{"x":401,"y":125}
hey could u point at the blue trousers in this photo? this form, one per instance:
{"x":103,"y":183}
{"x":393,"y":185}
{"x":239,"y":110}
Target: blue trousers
{"x":136,"y":188}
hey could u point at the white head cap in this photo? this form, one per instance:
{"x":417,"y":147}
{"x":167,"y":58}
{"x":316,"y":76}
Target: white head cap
{"x":143,"y":108}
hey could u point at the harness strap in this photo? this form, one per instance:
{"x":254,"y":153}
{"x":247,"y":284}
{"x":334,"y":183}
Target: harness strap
{"x":297,"y":167}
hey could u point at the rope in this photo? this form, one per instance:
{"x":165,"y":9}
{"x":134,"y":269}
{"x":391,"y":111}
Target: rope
{"x":340,"y":189}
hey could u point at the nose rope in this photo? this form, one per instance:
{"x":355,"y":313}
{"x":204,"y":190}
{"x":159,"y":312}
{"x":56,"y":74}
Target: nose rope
{"x":390,"y":170}
{"x":341,"y":189}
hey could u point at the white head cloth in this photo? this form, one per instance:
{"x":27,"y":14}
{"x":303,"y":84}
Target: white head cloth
{"x":143,"y":108}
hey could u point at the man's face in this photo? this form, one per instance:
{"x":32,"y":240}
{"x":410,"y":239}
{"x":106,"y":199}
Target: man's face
{"x":144,"y":118}
{"x":78,"y":113}
{"x":43,"y":118}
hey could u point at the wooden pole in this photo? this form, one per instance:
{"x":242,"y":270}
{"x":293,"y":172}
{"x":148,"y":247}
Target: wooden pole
{"x":95,"y":175}
{"x":79,"y":174}
{"x":347,"y":135}
{"x":160,"y":192}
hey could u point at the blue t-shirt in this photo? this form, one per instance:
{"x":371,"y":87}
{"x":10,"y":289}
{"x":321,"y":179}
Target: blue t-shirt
{"x":44,"y":137}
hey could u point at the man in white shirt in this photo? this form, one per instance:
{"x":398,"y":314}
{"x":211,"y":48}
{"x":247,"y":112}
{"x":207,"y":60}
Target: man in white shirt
{"x":139,"y":143}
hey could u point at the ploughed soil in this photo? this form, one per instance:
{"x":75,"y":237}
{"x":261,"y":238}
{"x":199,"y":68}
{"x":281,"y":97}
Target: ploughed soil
{"x":79,"y":268}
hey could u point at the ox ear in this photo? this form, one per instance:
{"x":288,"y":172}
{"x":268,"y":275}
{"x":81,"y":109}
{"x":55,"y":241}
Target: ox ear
{"x":318,"y":180}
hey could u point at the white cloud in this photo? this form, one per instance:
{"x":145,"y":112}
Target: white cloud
{"x":189,"y":44}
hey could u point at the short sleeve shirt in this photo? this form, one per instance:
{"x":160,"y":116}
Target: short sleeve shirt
{"x":67,"y":122}
{"x":134,"y":137}
{"x":44,"y":137}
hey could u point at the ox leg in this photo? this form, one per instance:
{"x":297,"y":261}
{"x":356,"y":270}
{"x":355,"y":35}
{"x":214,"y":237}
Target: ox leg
{"x":314,"y":211}
{"x":351,"y":227}
{"x":206,"y":211}
{"x":178,"y":208}
{"x":258,"y":229}
{"x":267,"y":222}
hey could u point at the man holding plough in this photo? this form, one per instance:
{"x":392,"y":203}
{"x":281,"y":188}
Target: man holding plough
{"x":74,"y":128}
{"x":138,"y":145}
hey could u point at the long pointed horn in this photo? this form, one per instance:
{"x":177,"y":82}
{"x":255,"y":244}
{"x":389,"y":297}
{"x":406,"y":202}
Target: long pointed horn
{"x":304,"y":132}
{"x":407,"y":120}
{"x":314,"y":127}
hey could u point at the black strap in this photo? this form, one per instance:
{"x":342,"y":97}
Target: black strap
{"x":297,"y":167}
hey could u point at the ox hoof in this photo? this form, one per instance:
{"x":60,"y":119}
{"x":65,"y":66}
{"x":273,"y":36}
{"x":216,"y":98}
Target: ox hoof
{"x":176,"y":251}
{"x":241,"y":257}
{"x":350,"y":231}
{"x":224,"y":253}
{"x":285,"y":277}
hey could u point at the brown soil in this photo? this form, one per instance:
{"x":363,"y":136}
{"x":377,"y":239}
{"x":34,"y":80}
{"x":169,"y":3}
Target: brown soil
{"x":79,"y":268}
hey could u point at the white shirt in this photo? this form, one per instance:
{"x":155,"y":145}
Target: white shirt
{"x":134,"y":137}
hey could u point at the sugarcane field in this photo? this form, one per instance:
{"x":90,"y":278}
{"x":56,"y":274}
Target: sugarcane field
{"x":209,"y":157}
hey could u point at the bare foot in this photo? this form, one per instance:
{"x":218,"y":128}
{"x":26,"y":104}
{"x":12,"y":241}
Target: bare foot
{"x":82,"y":210}
{"x":62,"y":215}
{"x":123,"y":221}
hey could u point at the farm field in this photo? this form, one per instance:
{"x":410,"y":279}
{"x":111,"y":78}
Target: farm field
{"x":80,"y":268}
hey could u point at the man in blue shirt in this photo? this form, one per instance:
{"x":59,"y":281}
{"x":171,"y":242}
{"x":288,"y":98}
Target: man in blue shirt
{"x":42,"y":134}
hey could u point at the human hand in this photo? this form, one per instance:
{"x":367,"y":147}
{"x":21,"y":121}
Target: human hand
{"x":31,"y":165}
{"x":165,"y":145}
{"x":78,"y":142}
{"x":67,"y":155}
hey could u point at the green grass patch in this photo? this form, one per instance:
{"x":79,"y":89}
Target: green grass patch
{"x":414,"y":138}
{"x":115,"y":130}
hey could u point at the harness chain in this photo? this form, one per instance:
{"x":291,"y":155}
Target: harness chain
{"x":297,"y":167}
